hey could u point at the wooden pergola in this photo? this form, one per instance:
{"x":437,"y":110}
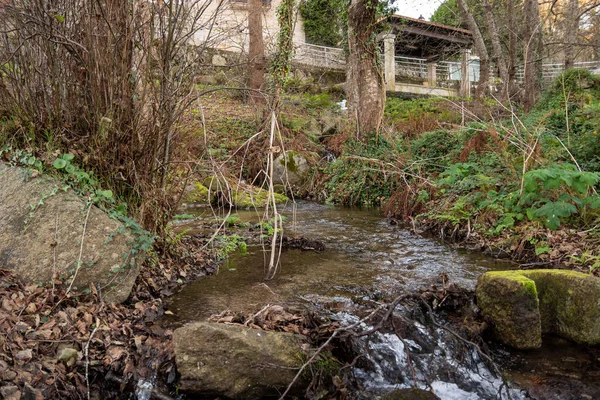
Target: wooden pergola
{"x":410,"y":37}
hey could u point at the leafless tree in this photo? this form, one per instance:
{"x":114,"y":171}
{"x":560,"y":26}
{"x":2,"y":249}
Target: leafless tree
{"x":108,"y":80}
{"x":498,"y":56}
{"x":256,"y":53}
{"x":484,"y":59}
{"x":571,"y":30}
{"x":531,"y":50}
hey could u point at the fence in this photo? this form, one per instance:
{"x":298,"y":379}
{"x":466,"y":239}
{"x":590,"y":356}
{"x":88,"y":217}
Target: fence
{"x":320,"y":56}
{"x":410,"y":67}
{"x":551,"y":71}
{"x":448,"y":72}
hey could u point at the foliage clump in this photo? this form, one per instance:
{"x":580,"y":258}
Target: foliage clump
{"x":324,"y":23}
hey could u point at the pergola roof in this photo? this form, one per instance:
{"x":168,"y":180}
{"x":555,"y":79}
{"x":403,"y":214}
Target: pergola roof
{"x":424,"y":39}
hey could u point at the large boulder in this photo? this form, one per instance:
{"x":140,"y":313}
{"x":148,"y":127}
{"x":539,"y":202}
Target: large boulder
{"x":236,"y":362}
{"x":41,"y":229}
{"x":290,"y":168}
{"x":509,"y":300}
{"x":522,"y":305}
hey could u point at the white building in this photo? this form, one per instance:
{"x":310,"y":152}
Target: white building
{"x":230,"y":29}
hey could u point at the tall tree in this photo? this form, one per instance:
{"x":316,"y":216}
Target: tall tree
{"x":498,"y":56}
{"x":531,"y":49}
{"x":512,"y":42}
{"x":364,"y":78}
{"x":256,"y":51}
{"x":484,"y":58}
{"x":571,"y":30}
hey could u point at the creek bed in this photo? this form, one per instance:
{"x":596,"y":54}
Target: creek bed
{"x":366,"y":259}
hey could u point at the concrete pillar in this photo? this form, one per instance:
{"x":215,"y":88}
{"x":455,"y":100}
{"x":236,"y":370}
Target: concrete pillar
{"x":432,"y":74}
{"x":465,"y":79}
{"x":389,"y":61}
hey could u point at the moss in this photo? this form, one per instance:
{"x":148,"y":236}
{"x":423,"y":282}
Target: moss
{"x":198,"y":194}
{"x":527,"y":284}
{"x":245,"y":196}
{"x":255,"y":198}
{"x":567,"y":302}
{"x":509,"y":300}
{"x":280,"y":189}
{"x":289,"y":161}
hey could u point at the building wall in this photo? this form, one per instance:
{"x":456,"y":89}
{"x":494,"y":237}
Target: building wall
{"x":230,"y":31}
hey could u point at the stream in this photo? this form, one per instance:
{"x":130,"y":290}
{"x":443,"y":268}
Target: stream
{"x":368,"y":261}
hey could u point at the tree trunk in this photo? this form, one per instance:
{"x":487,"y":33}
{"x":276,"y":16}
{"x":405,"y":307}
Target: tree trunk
{"x":484,"y":59}
{"x":256,"y":51}
{"x":498,"y":57}
{"x":571,"y":29}
{"x":531,"y":34}
{"x":364,"y":78}
{"x":512,"y":45}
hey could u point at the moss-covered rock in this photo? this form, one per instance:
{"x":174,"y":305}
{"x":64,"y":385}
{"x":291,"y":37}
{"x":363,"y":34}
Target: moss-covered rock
{"x":218,"y":190}
{"x":524,"y":304}
{"x":290,"y":168}
{"x":569,"y":304}
{"x":235,"y":361}
{"x":250,"y":197}
{"x":509,"y":300}
{"x":197,"y":193}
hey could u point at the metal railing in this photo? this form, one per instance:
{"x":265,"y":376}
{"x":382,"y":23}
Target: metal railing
{"x":448,"y":72}
{"x":320,"y":56}
{"x":552,"y":70}
{"x":410,"y":67}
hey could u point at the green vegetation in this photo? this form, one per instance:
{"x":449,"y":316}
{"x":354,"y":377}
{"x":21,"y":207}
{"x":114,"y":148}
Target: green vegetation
{"x":324,"y":21}
{"x":228,"y":244}
{"x":85,"y":184}
{"x":493,"y":182}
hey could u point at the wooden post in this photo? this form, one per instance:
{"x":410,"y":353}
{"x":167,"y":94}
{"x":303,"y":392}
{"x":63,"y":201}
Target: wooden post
{"x":432,"y":74}
{"x":389,"y":65}
{"x":465,"y":79}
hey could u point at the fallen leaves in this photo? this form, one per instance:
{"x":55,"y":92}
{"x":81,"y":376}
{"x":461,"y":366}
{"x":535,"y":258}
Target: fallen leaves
{"x":45,"y":334}
{"x":42,"y":344}
{"x":270,"y":318}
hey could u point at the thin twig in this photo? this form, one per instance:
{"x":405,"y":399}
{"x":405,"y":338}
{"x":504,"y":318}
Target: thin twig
{"x":87,"y":358}
{"x":257,"y":314}
{"x":78,"y":266}
{"x":54,"y":245}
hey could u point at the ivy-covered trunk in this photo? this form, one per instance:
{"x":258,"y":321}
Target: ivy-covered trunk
{"x":364,"y":78}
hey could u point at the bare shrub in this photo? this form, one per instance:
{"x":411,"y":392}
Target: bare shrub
{"x":109,"y":81}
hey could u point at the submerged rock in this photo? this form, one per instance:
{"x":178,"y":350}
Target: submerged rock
{"x":524,"y":304}
{"x":410,"y":394}
{"x":41,"y":227}
{"x":235,"y":361}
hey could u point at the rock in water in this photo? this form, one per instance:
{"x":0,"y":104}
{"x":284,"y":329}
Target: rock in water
{"x":510,"y":301}
{"x":235,"y":361}
{"x":524,"y":304}
{"x":41,"y":227}
{"x":410,"y":394}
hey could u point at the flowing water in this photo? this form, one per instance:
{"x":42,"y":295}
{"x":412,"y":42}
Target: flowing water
{"x":368,"y":260}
